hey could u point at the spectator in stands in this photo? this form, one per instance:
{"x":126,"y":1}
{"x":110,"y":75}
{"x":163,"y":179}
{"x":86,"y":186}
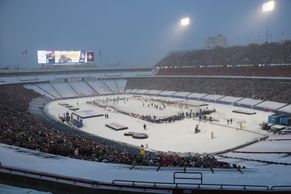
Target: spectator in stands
{"x":277,"y":90}
{"x":20,"y":128}
{"x":268,"y":53}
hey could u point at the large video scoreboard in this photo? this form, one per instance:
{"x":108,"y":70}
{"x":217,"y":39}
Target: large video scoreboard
{"x":64,"y":57}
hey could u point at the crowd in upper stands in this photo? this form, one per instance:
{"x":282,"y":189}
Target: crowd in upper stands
{"x":265,"y":89}
{"x":250,"y":60}
{"x":268,"y":53}
{"x":19,"y":128}
{"x":256,"y":70}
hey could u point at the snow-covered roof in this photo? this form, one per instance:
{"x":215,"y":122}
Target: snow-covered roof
{"x":248,"y":101}
{"x":168,"y":92}
{"x":141,"y":91}
{"x":230,"y":99}
{"x":286,"y":109}
{"x":196,"y":95}
{"x":128,"y":90}
{"x":182,"y":94}
{"x":212,"y":97}
{"x":134,"y":90}
{"x":154,"y":92}
{"x":271,"y":105}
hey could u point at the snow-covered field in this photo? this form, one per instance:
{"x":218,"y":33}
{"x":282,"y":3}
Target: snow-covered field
{"x":179,"y":137}
{"x":175,"y":137}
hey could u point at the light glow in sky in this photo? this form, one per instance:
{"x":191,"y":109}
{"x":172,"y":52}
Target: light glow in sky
{"x":269,"y":6}
{"x":130,"y":32}
{"x":185,"y":21}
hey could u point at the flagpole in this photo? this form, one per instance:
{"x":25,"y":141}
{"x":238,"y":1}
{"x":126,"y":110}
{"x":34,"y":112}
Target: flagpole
{"x":100,"y":57}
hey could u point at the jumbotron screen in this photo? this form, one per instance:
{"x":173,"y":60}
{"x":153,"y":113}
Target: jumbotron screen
{"x":64,"y":57}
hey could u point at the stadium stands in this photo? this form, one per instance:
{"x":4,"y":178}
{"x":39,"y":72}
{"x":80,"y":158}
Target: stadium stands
{"x":20,"y":128}
{"x":47,"y":87}
{"x":64,"y":89}
{"x":39,"y":90}
{"x":269,"y":53}
{"x":121,"y":85}
{"x":111,"y":84}
{"x":270,"y":71}
{"x":277,"y":90}
{"x":99,"y":87}
{"x":191,"y":75}
{"x":272,"y":60}
{"x":82,"y":88}
{"x":78,"y":88}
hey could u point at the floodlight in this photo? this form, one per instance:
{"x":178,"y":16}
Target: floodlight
{"x":185,"y":21}
{"x":269,"y":6}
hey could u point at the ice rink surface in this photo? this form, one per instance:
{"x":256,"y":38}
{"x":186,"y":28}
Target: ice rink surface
{"x":175,"y":137}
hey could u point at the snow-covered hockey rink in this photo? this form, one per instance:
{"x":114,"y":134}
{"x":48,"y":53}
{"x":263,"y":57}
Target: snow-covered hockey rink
{"x":178,"y":136}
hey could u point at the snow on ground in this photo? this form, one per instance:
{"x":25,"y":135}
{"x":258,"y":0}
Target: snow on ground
{"x":176,"y":137}
{"x":280,"y":158}
{"x":268,"y":146}
{"x":58,"y":165}
{"x":7,"y":189}
{"x":103,"y":172}
{"x":275,"y":149}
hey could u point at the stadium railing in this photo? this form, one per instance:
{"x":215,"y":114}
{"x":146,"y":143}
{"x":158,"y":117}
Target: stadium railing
{"x":135,"y":184}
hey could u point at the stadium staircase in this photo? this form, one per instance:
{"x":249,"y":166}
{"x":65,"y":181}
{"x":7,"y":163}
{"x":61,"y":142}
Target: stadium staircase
{"x":109,"y":88}
{"x":56,"y":90}
{"x":70,"y":85}
{"x":116,"y":85}
{"x":45,"y":91}
{"x":92,"y":88}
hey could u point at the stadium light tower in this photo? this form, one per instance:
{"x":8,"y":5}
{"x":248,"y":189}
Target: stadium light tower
{"x":185,"y":22}
{"x":267,"y":8}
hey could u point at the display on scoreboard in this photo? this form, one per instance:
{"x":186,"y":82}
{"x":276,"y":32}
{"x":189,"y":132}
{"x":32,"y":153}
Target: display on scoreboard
{"x":61,"y":57}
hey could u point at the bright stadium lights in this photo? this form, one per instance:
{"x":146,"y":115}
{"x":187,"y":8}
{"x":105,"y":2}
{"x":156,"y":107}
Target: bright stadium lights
{"x":269,"y":6}
{"x":185,"y":21}
{"x":266,"y":8}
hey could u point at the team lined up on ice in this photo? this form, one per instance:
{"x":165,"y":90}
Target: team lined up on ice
{"x":155,"y":110}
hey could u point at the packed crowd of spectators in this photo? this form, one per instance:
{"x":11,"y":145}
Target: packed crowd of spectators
{"x":268,"y":53}
{"x":269,"y":71}
{"x":265,"y":89}
{"x":19,"y":128}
